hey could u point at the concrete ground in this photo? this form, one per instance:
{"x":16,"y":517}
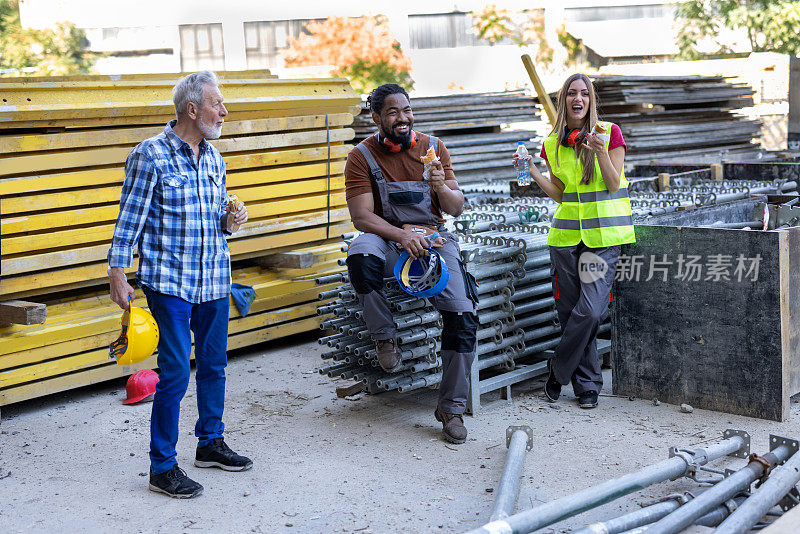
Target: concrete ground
{"x":77,"y":461}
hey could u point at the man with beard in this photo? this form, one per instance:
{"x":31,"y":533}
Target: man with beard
{"x":173,"y":208}
{"x":386,"y":193}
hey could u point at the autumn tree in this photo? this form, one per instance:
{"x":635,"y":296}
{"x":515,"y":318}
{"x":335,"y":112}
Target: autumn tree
{"x":519,"y":27}
{"x":770,"y":25}
{"x":361,"y":49}
{"x":54,"y":51}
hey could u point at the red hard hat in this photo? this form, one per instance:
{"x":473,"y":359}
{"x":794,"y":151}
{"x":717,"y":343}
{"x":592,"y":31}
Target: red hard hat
{"x":141,"y":384}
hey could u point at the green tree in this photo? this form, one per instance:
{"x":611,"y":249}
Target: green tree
{"x":520,"y":27}
{"x":54,"y":51}
{"x":770,"y":25}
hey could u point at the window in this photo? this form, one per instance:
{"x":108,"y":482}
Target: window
{"x":265,"y":39}
{"x":443,"y":30}
{"x":201,"y":47}
{"x":588,"y":14}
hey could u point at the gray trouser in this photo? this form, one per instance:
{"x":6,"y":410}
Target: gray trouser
{"x":582,"y":304}
{"x":458,"y":346}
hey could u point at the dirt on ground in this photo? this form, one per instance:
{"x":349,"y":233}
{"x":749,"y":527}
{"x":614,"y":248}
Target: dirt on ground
{"x":77,"y":461}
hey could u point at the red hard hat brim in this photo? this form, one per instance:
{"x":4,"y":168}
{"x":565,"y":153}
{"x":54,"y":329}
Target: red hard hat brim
{"x":138,"y":398}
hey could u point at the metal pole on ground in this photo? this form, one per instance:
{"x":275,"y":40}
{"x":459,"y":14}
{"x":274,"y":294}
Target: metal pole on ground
{"x":781,"y":448}
{"x":736,"y":442}
{"x":780,"y":482}
{"x":519,"y":440}
{"x":638,"y":518}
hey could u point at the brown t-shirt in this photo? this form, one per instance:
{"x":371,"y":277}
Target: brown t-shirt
{"x":396,"y":167}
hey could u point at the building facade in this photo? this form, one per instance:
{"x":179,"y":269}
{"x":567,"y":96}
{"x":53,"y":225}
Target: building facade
{"x":438,"y":35}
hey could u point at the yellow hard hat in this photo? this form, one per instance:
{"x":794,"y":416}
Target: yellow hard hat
{"x":138,"y":337}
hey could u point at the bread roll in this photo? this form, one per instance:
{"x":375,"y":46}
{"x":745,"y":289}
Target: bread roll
{"x":233,"y":200}
{"x":429,"y":157}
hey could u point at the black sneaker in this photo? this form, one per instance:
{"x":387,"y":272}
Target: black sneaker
{"x":218,"y":454}
{"x":552,"y":389}
{"x":175,"y":483}
{"x":588,"y":400}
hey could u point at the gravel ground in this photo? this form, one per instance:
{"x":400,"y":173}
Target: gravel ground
{"x":77,"y":461}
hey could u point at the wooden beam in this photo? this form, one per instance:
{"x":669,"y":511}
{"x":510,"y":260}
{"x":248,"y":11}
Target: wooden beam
{"x":544,"y":98}
{"x":663,"y":181}
{"x":716,"y":171}
{"x":91,"y":157}
{"x":352,"y":389}
{"x":794,"y":103}
{"x":22,"y":312}
{"x":287,"y":260}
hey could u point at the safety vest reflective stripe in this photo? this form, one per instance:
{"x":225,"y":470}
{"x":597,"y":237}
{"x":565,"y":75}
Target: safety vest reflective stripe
{"x":607,"y":222}
{"x":594,"y":196}
{"x":597,"y":222}
{"x":565,"y":224}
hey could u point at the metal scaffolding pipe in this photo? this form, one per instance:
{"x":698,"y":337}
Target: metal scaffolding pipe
{"x":519,"y":440}
{"x":330,"y":279}
{"x":638,"y":518}
{"x":535,"y":319}
{"x":718,"y":514}
{"x":495,"y":300}
{"x":554,"y":511}
{"x":719,"y":493}
{"x":429,"y":380}
{"x":487,"y":286}
{"x":332,"y":294}
{"x":491,"y":361}
{"x":522,"y":309}
{"x":533,"y":291}
{"x":779,"y":483}
{"x":542,"y":332}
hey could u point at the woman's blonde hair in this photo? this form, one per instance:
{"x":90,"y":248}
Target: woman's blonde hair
{"x":586,"y":156}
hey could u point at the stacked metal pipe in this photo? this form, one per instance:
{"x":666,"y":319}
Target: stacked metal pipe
{"x":419,"y":326}
{"x":354,"y":355}
{"x":503,"y":245}
{"x":702,"y":193}
{"x":693,"y":189}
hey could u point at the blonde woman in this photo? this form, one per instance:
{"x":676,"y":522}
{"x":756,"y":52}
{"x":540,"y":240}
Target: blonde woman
{"x":585,"y":158}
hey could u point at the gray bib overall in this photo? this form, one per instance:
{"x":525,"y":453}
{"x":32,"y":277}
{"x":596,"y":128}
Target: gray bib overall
{"x":409,"y":202}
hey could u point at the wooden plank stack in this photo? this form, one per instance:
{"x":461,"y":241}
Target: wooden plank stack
{"x":474,"y":127}
{"x":63,"y":145}
{"x":676,"y":118}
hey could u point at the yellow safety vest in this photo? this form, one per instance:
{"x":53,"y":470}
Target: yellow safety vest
{"x":588,"y":213}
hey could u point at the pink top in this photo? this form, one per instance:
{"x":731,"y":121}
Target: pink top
{"x":615,"y":141}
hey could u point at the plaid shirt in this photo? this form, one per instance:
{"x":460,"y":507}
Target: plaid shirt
{"x":171,"y":207}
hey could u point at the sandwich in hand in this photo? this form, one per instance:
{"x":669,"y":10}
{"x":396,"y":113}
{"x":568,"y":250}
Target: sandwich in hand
{"x":601,"y":132}
{"x":233,"y":201}
{"x":429,"y":157}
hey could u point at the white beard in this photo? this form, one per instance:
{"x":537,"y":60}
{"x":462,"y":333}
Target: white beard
{"x":209,"y":131}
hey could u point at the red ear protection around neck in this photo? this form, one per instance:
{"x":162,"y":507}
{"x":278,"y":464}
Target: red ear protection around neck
{"x":573,"y":137}
{"x":397,"y":147}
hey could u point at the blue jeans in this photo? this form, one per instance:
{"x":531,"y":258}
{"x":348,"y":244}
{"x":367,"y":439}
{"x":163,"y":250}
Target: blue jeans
{"x":209,"y":323}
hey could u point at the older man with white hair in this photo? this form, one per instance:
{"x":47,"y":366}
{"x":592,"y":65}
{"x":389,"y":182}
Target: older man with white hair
{"x":173,"y":208}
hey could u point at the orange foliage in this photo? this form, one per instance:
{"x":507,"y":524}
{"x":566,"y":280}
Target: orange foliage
{"x":344,"y":41}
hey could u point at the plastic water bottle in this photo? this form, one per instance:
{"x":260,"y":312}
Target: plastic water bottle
{"x":523,"y":164}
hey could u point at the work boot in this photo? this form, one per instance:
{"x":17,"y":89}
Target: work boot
{"x":175,"y":483}
{"x":218,"y":454}
{"x":388,"y":354}
{"x":452,"y":426}
{"x":552,"y":389}
{"x":588,"y":400}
